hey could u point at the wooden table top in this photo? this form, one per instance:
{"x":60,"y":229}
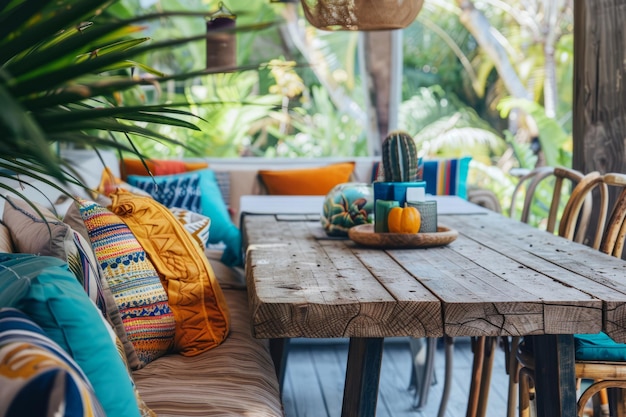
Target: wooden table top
{"x":500,"y":277}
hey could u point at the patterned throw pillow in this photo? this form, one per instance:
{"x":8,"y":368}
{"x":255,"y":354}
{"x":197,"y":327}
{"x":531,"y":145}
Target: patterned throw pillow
{"x":197,"y":191}
{"x":195,"y":297}
{"x":196,"y":224}
{"x":45,"y":290}
{"x":134,"y":282}
{"x":39,"y":378}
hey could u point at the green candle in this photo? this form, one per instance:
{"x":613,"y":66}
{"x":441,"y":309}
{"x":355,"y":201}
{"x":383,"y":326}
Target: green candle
{"x":381,"y":211}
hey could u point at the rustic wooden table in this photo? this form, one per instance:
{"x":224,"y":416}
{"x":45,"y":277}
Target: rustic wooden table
{"x":500,"y":277}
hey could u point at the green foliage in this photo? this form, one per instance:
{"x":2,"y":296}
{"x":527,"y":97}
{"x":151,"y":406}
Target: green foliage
{"x":442,"y":125}
{"x":553,"y":138}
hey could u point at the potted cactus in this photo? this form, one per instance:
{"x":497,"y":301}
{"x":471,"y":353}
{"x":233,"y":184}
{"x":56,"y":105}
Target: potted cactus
{"x":399,"y":176}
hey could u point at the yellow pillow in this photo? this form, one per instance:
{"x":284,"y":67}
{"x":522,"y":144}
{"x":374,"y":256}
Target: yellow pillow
{"x":194,"y":295}
{"x":306,"y":181}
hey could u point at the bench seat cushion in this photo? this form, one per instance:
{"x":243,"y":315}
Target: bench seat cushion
{"x":236,"y":378}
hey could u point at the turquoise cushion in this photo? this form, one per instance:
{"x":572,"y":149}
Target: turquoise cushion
{"x":44,"y":288}
{"x":55,"y":387}
{"x":598,"y":347}
{"x":197,"y":191}
{"x":446,"y":176}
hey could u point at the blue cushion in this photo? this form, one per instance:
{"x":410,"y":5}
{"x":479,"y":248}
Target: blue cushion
{"x":44,"y":289}
{"x":598,"y":347}
{"x":55,"y":387}
{"x":197,"y":191}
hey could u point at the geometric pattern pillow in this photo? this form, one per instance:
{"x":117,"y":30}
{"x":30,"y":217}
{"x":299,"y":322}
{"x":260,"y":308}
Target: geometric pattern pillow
{"x":135,"y":284}
{"x":196,"y":224}
{"x":38,"y":377}
{"x":197,"y":191}
{"x":98,"y":290}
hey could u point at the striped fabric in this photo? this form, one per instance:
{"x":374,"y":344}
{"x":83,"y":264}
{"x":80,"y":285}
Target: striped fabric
{"x":136,"y":287}
{"x":38,"y":377}
{"x":442,"y":176}
{"x":236,"y":378}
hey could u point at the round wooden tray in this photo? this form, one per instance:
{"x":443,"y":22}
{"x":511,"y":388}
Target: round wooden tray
{"x":365,"y":235}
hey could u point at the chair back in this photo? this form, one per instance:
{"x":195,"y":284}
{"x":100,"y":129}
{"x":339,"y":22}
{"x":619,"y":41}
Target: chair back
{"x":581,"y":194}
{"x":615,"y":233}
{"x":557,"y":177}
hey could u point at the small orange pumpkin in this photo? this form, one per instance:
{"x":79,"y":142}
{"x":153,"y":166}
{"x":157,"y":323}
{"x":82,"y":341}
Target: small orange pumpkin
{"x":404,"y":220}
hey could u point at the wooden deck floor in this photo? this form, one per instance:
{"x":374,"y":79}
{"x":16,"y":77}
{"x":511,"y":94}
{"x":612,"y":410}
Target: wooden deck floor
{"x":316,"y":370}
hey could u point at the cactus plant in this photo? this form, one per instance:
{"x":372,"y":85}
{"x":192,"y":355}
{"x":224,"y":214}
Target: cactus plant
{"x":399,"y":159}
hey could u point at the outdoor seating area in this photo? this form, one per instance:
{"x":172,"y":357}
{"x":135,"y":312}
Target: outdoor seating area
{"x":312,"y":208}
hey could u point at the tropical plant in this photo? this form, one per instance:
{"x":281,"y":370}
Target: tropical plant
{"x":63,"y":68}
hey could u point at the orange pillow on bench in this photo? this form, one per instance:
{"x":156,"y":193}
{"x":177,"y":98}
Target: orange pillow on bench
{"x":306,"y":181}
{"x":129,"y":166}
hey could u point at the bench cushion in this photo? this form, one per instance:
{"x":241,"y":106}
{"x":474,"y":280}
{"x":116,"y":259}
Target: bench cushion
{"x":236,"y":378}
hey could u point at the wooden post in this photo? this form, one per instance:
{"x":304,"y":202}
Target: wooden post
{"x":599,"y":116}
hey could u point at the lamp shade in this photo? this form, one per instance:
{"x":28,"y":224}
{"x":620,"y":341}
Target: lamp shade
{"x":361,"y":14}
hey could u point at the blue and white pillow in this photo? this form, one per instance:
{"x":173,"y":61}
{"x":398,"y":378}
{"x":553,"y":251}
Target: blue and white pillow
{"x":197,"y":191}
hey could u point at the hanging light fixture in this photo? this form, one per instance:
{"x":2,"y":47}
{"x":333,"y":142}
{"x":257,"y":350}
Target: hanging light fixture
{"x":361,"y":14}
{"x":221,"y":44}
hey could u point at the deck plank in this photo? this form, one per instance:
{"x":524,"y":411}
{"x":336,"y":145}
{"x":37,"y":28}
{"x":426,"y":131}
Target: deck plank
{"x":316,"y":371}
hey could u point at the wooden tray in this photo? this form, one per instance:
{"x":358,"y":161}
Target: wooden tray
{"x":364,"y":235}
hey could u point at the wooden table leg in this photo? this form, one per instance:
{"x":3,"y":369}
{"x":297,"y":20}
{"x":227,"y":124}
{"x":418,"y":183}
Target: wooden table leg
{"x":362,"y":376}
{"x":555,"y":380}
{"x":278,"y":351}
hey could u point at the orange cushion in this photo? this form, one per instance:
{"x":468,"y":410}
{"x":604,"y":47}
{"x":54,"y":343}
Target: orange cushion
{"x":130,"y":166}
{"x":194,"y":295}
{"x":306,"y":181}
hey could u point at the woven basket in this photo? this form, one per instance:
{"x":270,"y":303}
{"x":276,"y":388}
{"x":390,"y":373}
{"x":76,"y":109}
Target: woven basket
{"x":361,"y":14}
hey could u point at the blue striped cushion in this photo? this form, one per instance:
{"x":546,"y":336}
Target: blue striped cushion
{"x":39,"y":379}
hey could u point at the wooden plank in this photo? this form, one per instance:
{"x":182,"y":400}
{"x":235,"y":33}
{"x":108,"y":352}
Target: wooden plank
{"x":587,"y":270}
{"x":489,"y":302}
{"x":308,"y":287}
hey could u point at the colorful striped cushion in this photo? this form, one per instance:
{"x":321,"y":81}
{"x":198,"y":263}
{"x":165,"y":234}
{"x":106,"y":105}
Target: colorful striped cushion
{"x":447,"y":176}
{"x":135,"y":284}
{"x":442,"y":176}
{"x":39,"y":378}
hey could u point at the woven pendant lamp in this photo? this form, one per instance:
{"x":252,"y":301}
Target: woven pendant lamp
{"x":361,"y":14}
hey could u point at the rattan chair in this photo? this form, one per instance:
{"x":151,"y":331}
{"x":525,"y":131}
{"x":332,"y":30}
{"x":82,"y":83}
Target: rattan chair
{"x":557,"y":182}
{"x":609,"y":238}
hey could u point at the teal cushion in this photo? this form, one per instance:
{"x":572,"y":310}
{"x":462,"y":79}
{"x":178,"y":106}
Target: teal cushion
{"x":55,"y":387}
{"x":598,"y":347}
{"x":446,"y":176}
{"x":197,"y":191}
{"x":44,"y":288}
